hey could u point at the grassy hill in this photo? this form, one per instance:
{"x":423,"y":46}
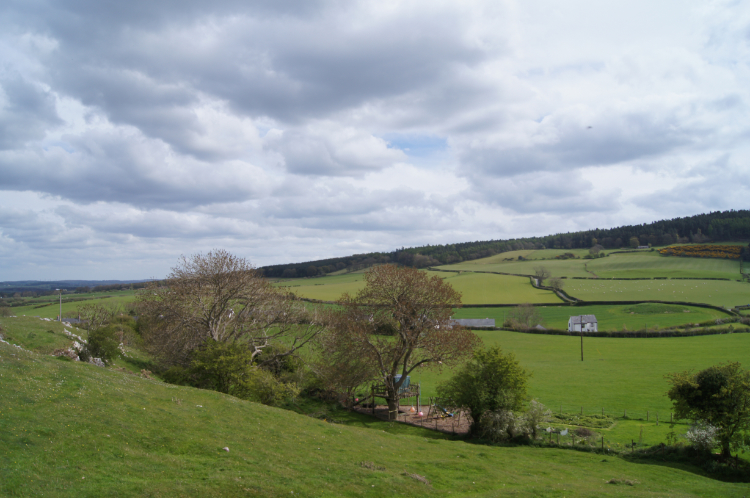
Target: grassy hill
{"x":72,"y":429}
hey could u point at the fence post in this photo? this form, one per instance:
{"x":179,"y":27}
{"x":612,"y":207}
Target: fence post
{"x":657,"y":418}
{"x":581,"y":410}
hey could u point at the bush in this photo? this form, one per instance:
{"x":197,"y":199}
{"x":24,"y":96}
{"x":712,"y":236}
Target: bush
{"x":502,"y":425}
{"x":489,"y":382}
{"x":4,"y":311}
{"x":702,"y":437}
{"x":104,"y":344}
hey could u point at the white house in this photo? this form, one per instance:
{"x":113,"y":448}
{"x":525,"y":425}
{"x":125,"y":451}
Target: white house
{"x":585,"y":322}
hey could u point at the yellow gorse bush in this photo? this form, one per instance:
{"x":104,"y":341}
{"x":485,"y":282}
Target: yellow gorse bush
{"x":703,"y":251}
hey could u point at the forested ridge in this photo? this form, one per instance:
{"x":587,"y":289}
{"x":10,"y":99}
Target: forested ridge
{"x":718,"y":226}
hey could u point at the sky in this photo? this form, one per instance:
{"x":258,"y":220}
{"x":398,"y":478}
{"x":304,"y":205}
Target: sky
{"x":286,"y":131}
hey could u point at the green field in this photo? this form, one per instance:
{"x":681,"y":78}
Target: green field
{"x":42,"y":307}
{"x":69,"y":430}
{"x":644,"y":264}
{"x":483,"y":288}
{"x":609,"y":317}
{"x":617,"y":374}
{"x":475,"y":288}
{"x":715,"y":292}
{"x":329,"y":288}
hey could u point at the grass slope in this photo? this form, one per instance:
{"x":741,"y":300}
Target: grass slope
{"x":476,"y":288}
{"x":45,"y":309}
{"x":644,"y":264}
{"x":482,"y":288}
{"x":70,"y":429}
{"x":715,"y":292}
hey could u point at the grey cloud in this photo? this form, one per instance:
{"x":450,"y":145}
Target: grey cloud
{"x":26,"y":112}
{"x":569,"y":143}
{"x":545,"y":192}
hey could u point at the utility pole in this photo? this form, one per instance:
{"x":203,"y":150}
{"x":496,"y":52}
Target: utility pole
{"x":60,"y":317}
{"x":581,"y":324}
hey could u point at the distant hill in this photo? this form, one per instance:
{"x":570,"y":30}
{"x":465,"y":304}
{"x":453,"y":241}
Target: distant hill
{"x":45,"y":287}
{"x":719,"y":226}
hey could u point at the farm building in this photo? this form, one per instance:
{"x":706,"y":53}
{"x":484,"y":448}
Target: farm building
{"x":475,"y":322}
{"x":585,"y":323}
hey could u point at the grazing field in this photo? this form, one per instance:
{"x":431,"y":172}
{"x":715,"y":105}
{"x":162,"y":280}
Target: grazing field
{"x":329,"y":288}
{"x":482,"y":288}
{"x":715,"y":292}
{"x":651,"y":264}
{"x":558,"y":267}
{"x":609,"y":317}
{"x":52,"y":309}
{"x":643,"y":264}
{"x":617,"y":373}
{"x":476,"y":288}
{"x":69,"y":429}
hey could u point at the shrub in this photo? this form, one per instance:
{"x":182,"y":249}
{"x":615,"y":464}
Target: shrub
{"x":702,"y":437}
{"x":501,"y":425}
{"x":104,"y":344}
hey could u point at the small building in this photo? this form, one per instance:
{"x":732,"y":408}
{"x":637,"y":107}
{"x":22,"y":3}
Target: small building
{"x":475,"y":322}
{"x":585,"y":323}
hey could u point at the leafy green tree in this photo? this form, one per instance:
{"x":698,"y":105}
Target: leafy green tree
{"x":228,"y":368}
{"x":718,"y":396}
{"x":489,"y":382}
{"x":634,"y":242}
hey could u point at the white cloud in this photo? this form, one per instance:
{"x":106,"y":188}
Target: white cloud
{"x":293,"y":130}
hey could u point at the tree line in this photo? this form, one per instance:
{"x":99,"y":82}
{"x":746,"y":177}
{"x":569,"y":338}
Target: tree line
{"x":718,"y":226}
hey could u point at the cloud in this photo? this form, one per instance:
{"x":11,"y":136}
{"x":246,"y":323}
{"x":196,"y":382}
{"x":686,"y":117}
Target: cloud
{"x":291,"y":130}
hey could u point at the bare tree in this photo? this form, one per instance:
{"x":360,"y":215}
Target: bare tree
{"x":541,"y":273}
{"x":222,"y":297}
{"x":523,"y":317}
{"x":556,"y":283}
{"x":595,"y":250}
{"x":418,"y":309}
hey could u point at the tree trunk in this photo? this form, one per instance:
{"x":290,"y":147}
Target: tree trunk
{"x":725,"y":453}
{"x":392,"y":405}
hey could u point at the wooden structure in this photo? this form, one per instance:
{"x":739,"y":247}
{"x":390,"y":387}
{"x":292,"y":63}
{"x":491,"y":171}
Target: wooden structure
{"x":407,"y":390}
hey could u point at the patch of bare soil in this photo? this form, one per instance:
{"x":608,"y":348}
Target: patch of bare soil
{"x":457,"y":424}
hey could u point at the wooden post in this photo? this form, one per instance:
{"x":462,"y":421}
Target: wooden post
{"x":657,"y":418}
{"x":581,"y":410}
{"x":581,"y":337}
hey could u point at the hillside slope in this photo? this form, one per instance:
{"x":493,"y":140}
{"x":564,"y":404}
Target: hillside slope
{"x":72,"y":429}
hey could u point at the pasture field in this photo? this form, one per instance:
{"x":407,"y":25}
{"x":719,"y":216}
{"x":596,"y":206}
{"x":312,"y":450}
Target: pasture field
{"x":609,"y":317}
{"x":483,"y":288}
{"x":651,"y":264}
{"x":45,"y":309}
{"x":715,"y":292}
{"x":617,"y":374}
{"x":643,"y":264}
{"x":476,"y":288}
{"x":328,"y":288}
{"x":69,"y":429}
{"x":558,"y":267}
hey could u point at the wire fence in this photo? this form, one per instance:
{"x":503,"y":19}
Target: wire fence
{"x":646,"y":415}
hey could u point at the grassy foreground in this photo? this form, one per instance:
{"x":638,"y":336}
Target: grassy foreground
{"x":70,"y":429}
